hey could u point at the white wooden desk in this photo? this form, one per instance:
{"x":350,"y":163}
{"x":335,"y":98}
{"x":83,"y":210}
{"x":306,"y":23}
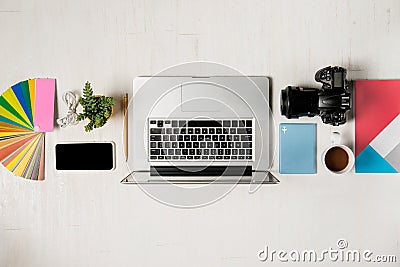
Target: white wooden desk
{"x":90,"y":219}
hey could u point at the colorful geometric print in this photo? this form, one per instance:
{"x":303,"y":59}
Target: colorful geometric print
{"x":377,"y":119}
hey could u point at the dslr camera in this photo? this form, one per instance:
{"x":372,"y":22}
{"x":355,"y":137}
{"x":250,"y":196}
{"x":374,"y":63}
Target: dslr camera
{"x":330,"y":102}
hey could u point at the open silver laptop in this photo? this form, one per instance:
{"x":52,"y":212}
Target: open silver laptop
{"x":200,"y":130}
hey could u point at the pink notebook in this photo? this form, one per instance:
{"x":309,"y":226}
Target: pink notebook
{"x":44,"y":105}
{"x":377,"y":117}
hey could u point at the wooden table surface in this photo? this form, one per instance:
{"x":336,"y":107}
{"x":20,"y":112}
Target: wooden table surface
{"x":90,"y":219}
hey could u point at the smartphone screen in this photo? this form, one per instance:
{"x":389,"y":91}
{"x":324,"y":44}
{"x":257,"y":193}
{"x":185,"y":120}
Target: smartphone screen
{"x":85,"y":156}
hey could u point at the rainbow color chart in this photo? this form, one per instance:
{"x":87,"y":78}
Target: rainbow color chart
{"x":26,"y":113}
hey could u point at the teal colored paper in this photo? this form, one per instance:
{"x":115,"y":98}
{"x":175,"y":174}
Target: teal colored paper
{"x":370,"y":161}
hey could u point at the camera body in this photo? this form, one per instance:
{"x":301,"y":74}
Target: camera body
{"x":331,"y":102}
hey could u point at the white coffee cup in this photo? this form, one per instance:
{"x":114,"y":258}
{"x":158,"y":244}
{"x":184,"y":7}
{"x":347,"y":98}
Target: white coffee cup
{"x":338,"y":158}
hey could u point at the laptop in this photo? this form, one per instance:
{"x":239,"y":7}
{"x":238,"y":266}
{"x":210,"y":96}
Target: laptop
{"x":185,"y":129}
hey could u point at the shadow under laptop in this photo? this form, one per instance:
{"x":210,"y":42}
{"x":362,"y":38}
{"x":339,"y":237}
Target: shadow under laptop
{"x":189,"y":192}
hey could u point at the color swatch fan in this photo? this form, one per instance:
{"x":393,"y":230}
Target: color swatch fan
{"x":26,"y":112}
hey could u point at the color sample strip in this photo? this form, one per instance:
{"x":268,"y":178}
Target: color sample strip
{"x":25,"y":159}
{"x":32,"y":89}
{"x":6,"y":161}
{"x":15,"y":104}
{"x":9,"y":121}
{"x":13,"y":163}
{"x":44,"y":105}
{"x":14,"y":145}
{"x":8,"y":142}
{"x":12,"y":133}
{"x":8,"y":126}
{"x":26,"y":96}
{"x":12,"y":136}
{"x":26,"y":107}
{"x":18,"y":90}
{"x":41,"y":167}
{"x":36,"y":170}
{"x":33,"y":163}
{"x":8,"y":112}
{"x":4,"y":131}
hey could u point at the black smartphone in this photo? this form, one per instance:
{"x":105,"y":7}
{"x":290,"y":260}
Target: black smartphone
{"x":85,"y":156}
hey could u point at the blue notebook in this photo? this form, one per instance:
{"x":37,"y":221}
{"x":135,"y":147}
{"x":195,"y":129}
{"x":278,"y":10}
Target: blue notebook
{"x":297,"y":148}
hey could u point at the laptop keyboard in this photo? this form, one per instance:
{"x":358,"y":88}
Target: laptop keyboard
{"x":194,"y":140}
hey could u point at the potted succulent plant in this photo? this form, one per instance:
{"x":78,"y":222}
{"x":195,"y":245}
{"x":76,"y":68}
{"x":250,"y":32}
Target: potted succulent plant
{"x":97,"y":109}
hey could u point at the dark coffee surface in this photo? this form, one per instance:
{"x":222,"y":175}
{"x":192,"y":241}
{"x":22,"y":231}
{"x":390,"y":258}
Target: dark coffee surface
{"x":336,"y":159}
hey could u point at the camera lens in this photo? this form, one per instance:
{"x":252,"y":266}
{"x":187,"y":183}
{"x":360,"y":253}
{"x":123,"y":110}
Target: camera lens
{"x":297,"y":102}
{"x":284,"y":103}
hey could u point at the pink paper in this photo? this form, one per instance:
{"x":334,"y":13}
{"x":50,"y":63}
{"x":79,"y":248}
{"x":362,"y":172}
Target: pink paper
{"x":376,"y":105}
{"x":44,"y":105}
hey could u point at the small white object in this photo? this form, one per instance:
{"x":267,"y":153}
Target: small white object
{"x":70,"y":99}
{"x":335,"y":138}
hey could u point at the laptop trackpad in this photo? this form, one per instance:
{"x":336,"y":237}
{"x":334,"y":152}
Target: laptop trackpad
{"x":201,"y":97}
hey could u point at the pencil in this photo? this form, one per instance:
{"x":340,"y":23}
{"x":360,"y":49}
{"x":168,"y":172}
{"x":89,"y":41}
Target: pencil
{"x":126,"y":126}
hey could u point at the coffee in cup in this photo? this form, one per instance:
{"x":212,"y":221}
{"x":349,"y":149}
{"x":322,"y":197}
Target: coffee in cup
{"x":338,"y":158}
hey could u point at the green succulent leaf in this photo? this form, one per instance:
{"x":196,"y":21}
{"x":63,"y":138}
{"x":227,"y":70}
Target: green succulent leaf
{"x":96,"y":109}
